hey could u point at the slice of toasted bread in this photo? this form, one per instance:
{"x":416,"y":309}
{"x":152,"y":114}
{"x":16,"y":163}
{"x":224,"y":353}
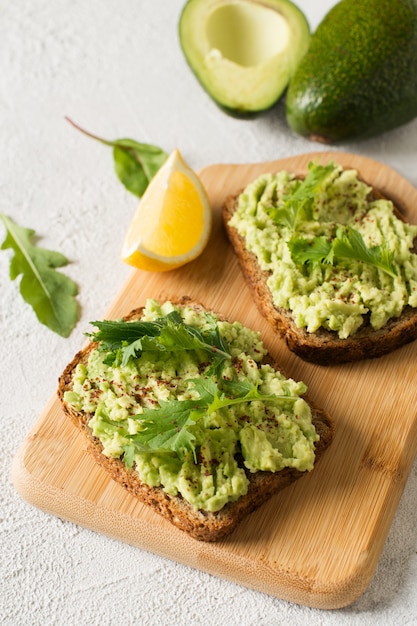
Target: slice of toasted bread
{"x":323,"y":347}
{"x":200,"y":524}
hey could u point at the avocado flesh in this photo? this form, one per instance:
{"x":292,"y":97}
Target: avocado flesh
{"x":243,"y":52}
{"x":359,"y":77}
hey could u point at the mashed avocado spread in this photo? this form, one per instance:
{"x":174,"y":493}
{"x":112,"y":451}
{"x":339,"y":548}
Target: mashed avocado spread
{"x":190,"y":407}
{"x":336,"y":257}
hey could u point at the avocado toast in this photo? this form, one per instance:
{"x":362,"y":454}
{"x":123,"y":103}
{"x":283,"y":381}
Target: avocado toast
{"x":330,"y":263}
{"x":189,"y":413}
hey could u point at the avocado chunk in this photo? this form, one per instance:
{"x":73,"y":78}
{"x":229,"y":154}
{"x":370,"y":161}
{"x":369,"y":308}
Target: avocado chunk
{"x":243,"y":52}
{"x":359,"y":76}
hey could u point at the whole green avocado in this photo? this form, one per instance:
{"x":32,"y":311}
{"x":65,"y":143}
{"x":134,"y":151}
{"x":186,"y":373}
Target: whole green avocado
{"x":359,"y":76}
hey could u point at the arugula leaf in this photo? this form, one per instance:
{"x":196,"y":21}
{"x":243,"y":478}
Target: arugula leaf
{"x":298,"y":205}
{"x":135,"y":163}
{"x":125,"y":340}
{"x":50,"y":293}
{"x":348,"y":244}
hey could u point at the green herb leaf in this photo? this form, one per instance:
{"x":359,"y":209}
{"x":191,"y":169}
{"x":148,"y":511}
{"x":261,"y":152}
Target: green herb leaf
{"x":167,"y":426}
{"x":316,"y":250}
{"x":129,"y":455}
{"x":50,"y":293}
{"x":207,"y":389}
{"x":247,"y":395}
{"x":298,"y":205}
{"x":127,"y":340}
{"x":348,"y":244}
{"x":114,"y":334}
{"x":135,"y":163}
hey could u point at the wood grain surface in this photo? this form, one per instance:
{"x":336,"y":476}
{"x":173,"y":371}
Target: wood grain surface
{"x":318,"y":542}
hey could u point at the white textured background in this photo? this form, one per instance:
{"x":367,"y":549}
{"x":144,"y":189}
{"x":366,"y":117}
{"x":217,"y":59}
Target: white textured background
{"x":116,"y":68}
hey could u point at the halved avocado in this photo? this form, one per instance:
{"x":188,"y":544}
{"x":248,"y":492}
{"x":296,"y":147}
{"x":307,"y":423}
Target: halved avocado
{"x":243,"y":52}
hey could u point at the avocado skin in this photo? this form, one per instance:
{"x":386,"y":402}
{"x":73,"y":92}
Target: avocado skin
{"x":359,"y":76}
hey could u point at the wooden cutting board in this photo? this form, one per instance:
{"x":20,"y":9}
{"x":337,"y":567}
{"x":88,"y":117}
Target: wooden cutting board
{"x":318,"y":542}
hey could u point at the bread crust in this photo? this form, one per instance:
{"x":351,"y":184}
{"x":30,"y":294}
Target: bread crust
{"x":323,"y":347}
{"x":202,"y":525}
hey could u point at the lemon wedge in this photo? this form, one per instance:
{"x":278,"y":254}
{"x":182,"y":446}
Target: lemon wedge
{"x":172,"y":223}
